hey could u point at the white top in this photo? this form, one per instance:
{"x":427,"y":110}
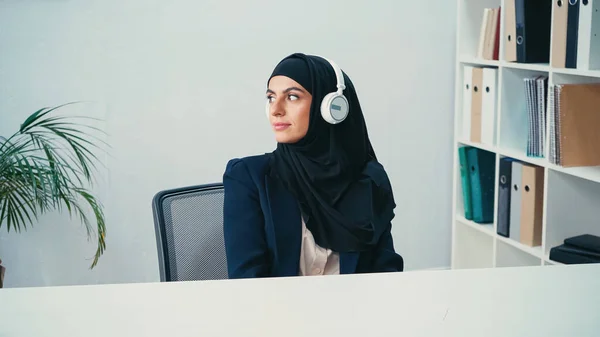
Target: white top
{"x":315,"y":260}
{"x":507,"y":302}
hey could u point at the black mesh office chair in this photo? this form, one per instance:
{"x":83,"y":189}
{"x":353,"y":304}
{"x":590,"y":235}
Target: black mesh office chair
{"x":189,"y":233}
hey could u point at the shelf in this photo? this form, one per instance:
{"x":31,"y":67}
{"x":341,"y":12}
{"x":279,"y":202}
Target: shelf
{"x":474,"y":248}
{"x":479,"y":62}
{"x":573,"y":208}
{"x":570,"y":203}
{"x":487,"y":229}
{"x":508,"y":255}
{"x":549,"y":262}
{"x":486,"y":147}
{"x":577,"y":72}
{"x":533,"y":251}
{"x":541,"y":67}
{"x":520,"y":155}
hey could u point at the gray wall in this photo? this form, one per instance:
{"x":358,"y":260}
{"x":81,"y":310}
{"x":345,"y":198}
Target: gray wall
{"x":177,"y":82}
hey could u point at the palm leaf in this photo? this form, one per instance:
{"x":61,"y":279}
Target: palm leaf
{"x":46,"y":166}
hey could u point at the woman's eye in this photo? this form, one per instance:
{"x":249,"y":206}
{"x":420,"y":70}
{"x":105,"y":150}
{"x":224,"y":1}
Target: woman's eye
{"x":293,"y":97}
{"x":270,"y":99}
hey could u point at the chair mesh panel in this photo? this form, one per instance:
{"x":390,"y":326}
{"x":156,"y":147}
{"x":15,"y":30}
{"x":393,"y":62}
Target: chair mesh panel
{"x":194,"y":233}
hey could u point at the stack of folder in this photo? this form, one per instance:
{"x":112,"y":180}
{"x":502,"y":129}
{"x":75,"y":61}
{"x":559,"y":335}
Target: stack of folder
{"x":576,"y":36}
{"x":477,"y":170}
{"x":489,"y":34}
{"x":479,"y":104}
{"x":574,"y":119}
{"x":536,"y":95}
{"x":527,"y":26}
{"x":577,"y":250}
{"x":520,"y":201}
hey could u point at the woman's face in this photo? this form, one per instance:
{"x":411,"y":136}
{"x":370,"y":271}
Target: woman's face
{"x":289,"y":109}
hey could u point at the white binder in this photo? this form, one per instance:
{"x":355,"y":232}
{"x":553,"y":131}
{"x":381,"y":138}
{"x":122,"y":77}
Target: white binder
{"x":588,"y":44}
{"x":515,"y":201}
{"x":488,"y":109}
{"x":466,"y":102}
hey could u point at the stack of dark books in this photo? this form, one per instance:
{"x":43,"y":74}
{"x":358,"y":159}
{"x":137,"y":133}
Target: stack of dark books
{"x":577,"y":250}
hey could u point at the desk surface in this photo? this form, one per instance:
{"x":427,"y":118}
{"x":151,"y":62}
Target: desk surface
{"x":526,"y":301}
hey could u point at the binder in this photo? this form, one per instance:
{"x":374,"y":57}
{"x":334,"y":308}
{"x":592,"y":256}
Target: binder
{"x":504,"y":187}
{"x":572,"y":33}
{"x":588,"y":44}
{"x":484,"y":32}
{"x":533,"y":27}
{"x":466,"y":102}
{"x":559,"y":35}
{"x":577,"y":134}
{"x":488,"y":101}
{"x":492,"y":31}
{"x":476,"y":104}
{"x":515,"y":201}
{"x":587,"y":242}
{"x":510,"y":31}
{"x":568,"y":254}
{"x":496,"y":37}
{"x":578,"y":249}
{"x":466,"y":181}
{"x":532,"y":194}
{"x":482,"y":174}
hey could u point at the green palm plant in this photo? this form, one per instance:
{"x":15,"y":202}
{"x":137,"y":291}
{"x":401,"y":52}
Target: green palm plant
{"x":45,"y":166}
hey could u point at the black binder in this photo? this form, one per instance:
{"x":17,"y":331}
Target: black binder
{"x":533,"y":20}
{"x":577,"y":250}
{"x":504,"y":185}
{"x":572,"y":33}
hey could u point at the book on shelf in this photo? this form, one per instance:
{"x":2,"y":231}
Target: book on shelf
{"x":536,"y":94}
{"x":574,"y":124}
{"x":489,"y":34}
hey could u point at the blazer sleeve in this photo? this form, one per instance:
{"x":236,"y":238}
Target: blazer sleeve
{"x":385,"y":258}
{"x":243,"y":224}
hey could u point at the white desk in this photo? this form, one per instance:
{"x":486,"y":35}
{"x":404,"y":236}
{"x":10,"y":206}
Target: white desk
{"x":532,"y":301}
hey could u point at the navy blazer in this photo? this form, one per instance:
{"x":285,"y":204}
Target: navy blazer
{"x":263,"y":227}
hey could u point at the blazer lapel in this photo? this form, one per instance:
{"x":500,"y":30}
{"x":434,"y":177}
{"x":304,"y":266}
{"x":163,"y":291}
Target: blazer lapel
{"x":287,"y":227}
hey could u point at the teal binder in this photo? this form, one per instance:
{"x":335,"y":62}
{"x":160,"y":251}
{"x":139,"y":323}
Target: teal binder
{"x":466,"y":181}
{"x":482,"y":167}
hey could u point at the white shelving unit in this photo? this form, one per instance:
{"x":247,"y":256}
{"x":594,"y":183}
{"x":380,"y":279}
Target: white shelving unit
{"x":571,"y":195}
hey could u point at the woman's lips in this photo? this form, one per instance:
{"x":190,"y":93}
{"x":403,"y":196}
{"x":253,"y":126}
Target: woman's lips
{"x":280,"y":126}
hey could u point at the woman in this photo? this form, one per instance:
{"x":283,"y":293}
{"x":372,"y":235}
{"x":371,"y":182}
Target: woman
{"x":319,"y":204}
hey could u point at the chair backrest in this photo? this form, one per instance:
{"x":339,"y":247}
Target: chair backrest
{"x":189,"y":233}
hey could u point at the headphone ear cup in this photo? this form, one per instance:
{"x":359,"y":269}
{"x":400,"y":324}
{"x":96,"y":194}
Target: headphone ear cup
{"x":334,"y":108}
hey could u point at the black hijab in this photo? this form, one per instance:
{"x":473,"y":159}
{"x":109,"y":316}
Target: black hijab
{"x":343,"y":192}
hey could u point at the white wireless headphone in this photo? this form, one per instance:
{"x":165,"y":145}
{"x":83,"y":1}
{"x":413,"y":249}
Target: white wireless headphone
{"x":334,"y":106}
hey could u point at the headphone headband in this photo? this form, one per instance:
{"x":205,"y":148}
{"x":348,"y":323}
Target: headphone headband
{"x":334,"y":106}
{"x":338,"y":75}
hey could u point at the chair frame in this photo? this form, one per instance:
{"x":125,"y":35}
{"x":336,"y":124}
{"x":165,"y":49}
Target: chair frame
{"x":159,"y":222}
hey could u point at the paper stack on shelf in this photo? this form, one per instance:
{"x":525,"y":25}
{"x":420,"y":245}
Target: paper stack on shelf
{"x":489,"y":34}
{"x":536,"y":94}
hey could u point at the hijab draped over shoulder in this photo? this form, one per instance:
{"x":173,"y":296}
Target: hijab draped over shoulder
{"x":342,"y":190}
